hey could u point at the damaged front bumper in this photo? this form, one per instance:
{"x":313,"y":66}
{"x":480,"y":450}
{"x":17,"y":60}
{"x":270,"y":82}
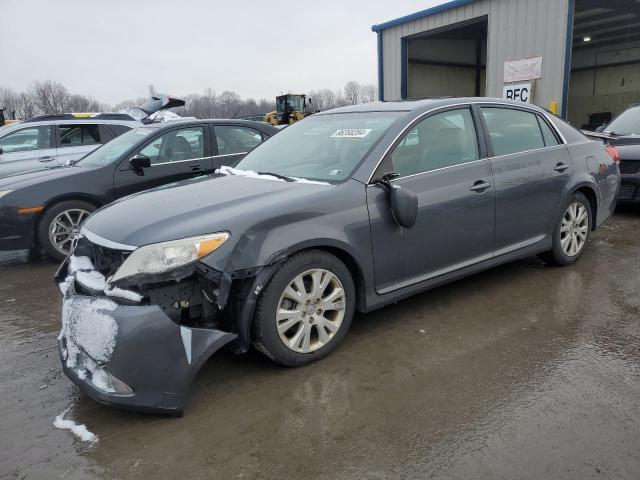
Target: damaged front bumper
{"x":130,"y":355}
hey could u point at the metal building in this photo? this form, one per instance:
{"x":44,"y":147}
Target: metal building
{"x":581,"y":56}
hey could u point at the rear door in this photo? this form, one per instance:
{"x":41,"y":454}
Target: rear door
{"x":441,"y":160}
{"x":75,"y":140}
{"x":531,"y":169}
{"x":28,"y":148}
{"x":232,"y":142}
{"x":176,"y":154}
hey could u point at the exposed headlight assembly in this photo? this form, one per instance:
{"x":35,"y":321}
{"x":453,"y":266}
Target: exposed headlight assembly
{"x":162,"y":257}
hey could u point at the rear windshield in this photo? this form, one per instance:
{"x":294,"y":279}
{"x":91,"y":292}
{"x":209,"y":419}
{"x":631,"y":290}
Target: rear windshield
{"x":323,"y":147}
{"x":627,"y":123}
{"x":113,"y":150}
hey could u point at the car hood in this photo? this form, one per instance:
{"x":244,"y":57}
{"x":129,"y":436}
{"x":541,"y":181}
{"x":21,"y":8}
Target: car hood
{"x":34,"y":177}
{"x":198,"y":207}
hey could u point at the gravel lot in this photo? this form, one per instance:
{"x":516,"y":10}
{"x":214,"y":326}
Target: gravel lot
{"x":524,"y":371}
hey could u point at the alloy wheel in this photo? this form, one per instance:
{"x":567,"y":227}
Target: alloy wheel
{"x":310,"y":310}
{"x":574,"y":229}
{"x":64,"y":230}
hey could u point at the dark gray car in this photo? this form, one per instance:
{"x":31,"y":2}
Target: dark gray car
{"x":347,"y":210}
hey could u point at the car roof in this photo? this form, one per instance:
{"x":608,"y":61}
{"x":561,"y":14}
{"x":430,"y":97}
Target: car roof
{"x":412,"y":105}
{"x":221,"y":121}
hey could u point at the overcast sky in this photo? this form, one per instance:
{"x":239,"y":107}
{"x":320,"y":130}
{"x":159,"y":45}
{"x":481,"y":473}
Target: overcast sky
{"x":112,"y":49}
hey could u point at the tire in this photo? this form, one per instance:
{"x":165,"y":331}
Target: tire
{"x":302,"y":327}
{"x":565,"y":252}
{"x":70,"y":214}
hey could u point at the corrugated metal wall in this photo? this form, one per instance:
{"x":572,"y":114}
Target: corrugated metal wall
{"x":517,"y":29}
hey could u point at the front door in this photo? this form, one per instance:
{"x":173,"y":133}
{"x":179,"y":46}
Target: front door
{"x":531,"y":168}
{"x":440,"y":160}
{"x":177,"y":154}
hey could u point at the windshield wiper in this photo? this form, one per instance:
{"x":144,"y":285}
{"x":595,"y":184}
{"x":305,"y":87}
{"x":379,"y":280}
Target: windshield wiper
{"x":278,"y":175}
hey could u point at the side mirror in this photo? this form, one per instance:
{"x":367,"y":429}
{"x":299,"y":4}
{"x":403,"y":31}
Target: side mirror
{"x":600,"y":129}
{"x":404,"y":202}
{"x":140,"y":162}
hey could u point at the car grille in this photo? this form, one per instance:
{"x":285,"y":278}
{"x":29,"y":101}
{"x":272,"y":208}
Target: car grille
{"x":105,"y":260}
{"x":629,"y":167}
{"x":627,"y":191}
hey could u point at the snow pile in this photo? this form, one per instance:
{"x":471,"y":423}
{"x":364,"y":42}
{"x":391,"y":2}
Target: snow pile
{"x":78,"y":430}
{"x":225,"y":170}
{"x":89,"y":277}
{"x":88,"y":323}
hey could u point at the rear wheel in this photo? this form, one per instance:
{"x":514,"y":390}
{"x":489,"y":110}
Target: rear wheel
{"x":571,"y":233}
{"x":60,"y":225}
{"x":305,"y":310}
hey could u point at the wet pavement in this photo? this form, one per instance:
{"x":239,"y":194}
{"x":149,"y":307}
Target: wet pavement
{"x":524,"y":371}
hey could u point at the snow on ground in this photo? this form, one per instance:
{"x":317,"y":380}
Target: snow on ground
{"x":78,"y":430}
{"x":225,"y":170}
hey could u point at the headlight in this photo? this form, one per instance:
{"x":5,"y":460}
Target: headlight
{"x":4,"y":192}
{"x":165,"y":256}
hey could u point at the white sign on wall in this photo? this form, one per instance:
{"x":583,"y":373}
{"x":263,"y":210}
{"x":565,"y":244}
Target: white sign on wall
{"x":523,"y":69}
{"x":521,"y":92}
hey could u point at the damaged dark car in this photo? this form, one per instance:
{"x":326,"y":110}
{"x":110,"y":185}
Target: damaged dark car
{"x":348,"y":210}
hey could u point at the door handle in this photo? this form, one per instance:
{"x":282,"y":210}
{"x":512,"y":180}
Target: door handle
{"x":480,"y":186}
{"x":45,"y":159}
{"x":561,"y":167}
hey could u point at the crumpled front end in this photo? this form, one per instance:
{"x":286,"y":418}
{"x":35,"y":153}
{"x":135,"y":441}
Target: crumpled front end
{"x":136,"y":347}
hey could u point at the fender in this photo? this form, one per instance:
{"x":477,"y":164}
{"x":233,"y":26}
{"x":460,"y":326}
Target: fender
{"x":583,"y":181}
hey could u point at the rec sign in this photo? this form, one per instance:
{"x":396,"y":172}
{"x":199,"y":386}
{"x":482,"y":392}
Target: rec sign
{"x":518,"y":91}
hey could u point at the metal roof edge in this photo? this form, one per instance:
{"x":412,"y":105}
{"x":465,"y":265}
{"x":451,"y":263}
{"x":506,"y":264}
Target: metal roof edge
{"x":424,"y":13}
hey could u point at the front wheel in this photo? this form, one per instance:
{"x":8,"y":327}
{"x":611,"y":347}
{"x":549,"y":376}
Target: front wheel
{"x":305,"y":310}
{"x":60,"y":225}
{"x":571,"y":233}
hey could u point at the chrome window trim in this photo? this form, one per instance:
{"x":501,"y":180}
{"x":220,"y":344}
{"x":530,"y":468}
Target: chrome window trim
{"x":435,"y":170}
{"x":464,"y":104}
{"x":105,"y":242}
{"x":180,"y":161}
{"x":230,"y":154}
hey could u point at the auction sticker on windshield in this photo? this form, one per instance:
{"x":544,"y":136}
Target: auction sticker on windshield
{"x":351,"y":133}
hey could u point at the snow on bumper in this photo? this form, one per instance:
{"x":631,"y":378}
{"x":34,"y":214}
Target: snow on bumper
{"x":132,"y":356}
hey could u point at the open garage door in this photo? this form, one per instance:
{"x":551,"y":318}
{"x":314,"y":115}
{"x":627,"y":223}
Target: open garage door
{"x":446,"y":62}
{"x":605,"y":67}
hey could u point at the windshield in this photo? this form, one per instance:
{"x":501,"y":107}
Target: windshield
{"x":113,"y":150}
{"x":627,"y":123}
{"x":324,"y":147}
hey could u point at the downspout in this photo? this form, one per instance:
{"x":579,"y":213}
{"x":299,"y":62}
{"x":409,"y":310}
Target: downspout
{"x":380,"y":68}
{"x":568,"y":50}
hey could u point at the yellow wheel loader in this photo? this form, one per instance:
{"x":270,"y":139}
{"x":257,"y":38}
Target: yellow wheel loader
{"x":289,"y":109}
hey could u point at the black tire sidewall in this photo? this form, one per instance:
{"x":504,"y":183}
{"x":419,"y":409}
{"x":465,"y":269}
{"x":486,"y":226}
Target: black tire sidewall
{"x":48,"y":216}
{"x":266,"y":338}
{"x":558,"y":254}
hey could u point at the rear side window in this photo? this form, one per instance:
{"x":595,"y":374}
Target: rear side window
{"x":512,"y":131}
{"x":231,"y":139}
{"x":32,"y":138}
{"x":118,"y":130}
{"x":78,"y":135}
{"x":549,"y":137}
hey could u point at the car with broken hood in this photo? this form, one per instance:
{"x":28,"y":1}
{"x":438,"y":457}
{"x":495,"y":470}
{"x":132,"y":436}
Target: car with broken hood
{"x":347,"y":210}
{"x":49,"y":141}
{"x":46,"y":208}
{"x":622,"y":139}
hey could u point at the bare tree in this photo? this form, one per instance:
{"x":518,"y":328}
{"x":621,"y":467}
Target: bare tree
{"x":368,"y":93}
{"x":352,"y":93}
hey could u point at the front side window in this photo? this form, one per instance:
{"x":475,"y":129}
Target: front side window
{"x":324,"y":148}
{"x":26,"y":139}
{"x":441,"y":140}
{"x":233,"y":139}
{"x":78,"y":135}
{"x":112,"y":151}
{"x":512,"y":131}
{"x":176,"y":145}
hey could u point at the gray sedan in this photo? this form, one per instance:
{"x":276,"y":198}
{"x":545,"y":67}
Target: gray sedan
{"x":348,"y":210}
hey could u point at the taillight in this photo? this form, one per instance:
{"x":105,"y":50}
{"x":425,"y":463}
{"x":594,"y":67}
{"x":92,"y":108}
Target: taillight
{"x":613,"y":153}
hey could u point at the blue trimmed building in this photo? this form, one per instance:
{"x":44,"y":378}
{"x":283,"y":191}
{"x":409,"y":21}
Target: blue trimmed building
{"x":588,"y":48}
